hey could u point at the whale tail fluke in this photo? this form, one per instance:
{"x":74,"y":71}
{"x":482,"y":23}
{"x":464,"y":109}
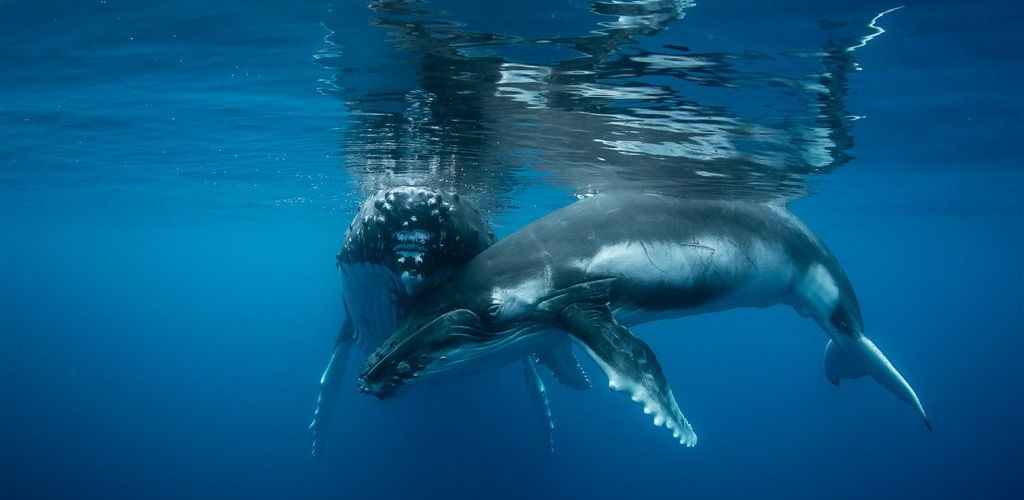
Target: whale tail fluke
{"x":856,"y":355}
{"x":839,"y":364}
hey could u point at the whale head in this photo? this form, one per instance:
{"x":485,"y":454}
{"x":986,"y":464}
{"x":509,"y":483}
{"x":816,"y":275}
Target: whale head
{"x":449,"y":336}
{"x":418,"y":233}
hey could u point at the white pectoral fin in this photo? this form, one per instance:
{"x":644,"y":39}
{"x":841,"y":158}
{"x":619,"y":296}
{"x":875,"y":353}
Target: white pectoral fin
{"x":630,"y":365}
{"x":853,"y":351}
{"x":539,"y":397}
{"x":330,"y":385}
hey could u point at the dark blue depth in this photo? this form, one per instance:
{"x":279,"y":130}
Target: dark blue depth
{"x":176,"y":177}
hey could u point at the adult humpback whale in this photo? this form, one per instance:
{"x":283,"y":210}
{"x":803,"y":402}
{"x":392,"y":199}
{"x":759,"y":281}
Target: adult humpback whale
{"x":403,"y":241}
{"x":594,"y":268}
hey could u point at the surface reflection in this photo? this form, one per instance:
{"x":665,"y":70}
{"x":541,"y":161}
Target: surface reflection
{"x":617,"y":105}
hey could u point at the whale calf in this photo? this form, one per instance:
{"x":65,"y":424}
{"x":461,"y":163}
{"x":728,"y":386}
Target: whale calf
{"x":598,"y":266}
{"x":402,"y":242}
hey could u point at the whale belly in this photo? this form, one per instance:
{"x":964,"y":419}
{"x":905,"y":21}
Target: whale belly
{"x":666,"y":279}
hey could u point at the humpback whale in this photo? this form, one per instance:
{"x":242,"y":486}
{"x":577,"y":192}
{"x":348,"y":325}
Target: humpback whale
{"x":591,"y":270}
{"x":402,"y":242}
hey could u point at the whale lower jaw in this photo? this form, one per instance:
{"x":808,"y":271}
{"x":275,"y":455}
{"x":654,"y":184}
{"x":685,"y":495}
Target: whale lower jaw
{"x":502,"y":353}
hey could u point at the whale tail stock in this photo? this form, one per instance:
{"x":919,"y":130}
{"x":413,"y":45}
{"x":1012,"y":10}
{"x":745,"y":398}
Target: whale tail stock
{"x":854,"y":356}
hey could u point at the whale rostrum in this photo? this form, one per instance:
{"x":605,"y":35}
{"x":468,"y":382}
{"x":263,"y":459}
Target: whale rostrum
{"x":593,"y":269}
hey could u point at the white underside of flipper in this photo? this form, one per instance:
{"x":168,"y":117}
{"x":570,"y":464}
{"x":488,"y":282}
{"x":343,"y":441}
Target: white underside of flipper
{"x":669,"y":415}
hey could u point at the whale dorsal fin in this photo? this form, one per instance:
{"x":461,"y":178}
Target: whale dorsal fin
{"x":629,"y":363}
{"x":564,"y":365}
{"x":839,"y":364}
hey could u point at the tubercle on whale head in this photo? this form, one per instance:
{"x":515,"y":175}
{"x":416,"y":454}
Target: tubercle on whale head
{"x":418,"y":232}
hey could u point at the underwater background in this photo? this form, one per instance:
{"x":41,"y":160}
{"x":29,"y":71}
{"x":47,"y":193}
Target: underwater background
{"x":176,"y":178}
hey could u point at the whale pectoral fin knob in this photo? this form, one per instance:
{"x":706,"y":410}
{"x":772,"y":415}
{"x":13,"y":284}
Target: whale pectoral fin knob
{"x":629,"y":363}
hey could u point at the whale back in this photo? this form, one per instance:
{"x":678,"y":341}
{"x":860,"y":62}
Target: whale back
{"x":665,"y":255}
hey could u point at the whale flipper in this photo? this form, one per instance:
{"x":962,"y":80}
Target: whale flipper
{"x":564,"y":365}
{"x":629,"y":363}
{"x":330,"y":385}
{"x":539,"y":396}
{"x":839,"y":364}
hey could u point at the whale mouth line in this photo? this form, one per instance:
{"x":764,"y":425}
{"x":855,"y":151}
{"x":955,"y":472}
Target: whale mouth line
{"x":411,"y":242}
{"x":477,"y":348}
{"x":382,"y":372}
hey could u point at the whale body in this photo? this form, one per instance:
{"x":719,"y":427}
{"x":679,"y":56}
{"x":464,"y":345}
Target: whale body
{"x":594,"y":268}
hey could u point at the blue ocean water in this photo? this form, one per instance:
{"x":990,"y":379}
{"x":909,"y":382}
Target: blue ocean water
{"x":175,"y":179}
